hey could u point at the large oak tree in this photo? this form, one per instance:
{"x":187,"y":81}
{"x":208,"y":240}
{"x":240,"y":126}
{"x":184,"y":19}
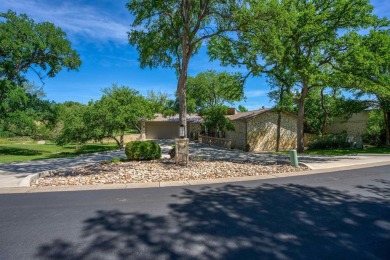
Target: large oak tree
{"x":304,"y":36}
{"x":28,"y":46}
{"x":169,"y":33}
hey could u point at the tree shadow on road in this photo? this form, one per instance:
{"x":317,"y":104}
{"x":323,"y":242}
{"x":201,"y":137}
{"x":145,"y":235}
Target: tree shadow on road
{"x":237,"y":222}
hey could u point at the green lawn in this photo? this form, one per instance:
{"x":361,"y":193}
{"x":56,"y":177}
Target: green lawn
{"x":339,"y":152}
{"x":372,"y":150}
{"x":16,"y":151}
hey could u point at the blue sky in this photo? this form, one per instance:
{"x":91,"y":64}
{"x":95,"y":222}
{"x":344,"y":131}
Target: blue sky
{"x":98,"y":31}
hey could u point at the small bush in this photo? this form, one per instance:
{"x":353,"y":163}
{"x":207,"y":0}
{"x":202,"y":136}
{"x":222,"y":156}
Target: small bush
{"x":331,"y":141}
{"x":143,"y":150}
{"x":172,"y":152}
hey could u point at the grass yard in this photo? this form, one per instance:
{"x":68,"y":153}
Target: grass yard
{"x":27,"y":150}
{"x":371,"y":150}
{"x":339,"y":152}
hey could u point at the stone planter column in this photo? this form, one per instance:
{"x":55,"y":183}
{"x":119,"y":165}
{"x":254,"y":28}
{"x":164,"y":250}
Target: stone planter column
{"x":182,"y":146}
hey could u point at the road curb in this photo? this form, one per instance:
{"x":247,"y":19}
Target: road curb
{"x":26,"y":182}
{"x":305,"y":164}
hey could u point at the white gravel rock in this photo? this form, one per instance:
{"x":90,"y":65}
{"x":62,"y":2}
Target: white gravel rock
{"x":160,"y":170}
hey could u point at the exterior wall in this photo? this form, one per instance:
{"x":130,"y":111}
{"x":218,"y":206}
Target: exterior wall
{"x":167,"y":130}
{"x":354,"y":126}
{"x":161,"y":130}
{"x":238,"y":136}
{"x":221,"y":142}
{"x":261,"y":131}
{"x":126,"y":138}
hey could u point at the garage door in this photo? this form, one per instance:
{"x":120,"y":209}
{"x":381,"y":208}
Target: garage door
{"x":161,"y":130}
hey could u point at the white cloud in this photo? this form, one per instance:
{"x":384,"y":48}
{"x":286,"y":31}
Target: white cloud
{"x":255,"y":93}
{"x":76,"y":20}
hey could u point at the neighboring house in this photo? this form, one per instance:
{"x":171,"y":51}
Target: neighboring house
{"x":168,"y":127}
{"x":255,"y":130}
{"x":355,"y":126}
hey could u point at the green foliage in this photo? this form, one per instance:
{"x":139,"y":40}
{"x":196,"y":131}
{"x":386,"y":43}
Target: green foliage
{"x":172,"y":151}
{"x":143,"y":150}
{"x":26,"y":45}
{"x":24,"y":113}
{"x":242,"y":108}
{"x":76,"y":128}
{"x":298,"y":39}
{"x":160,"y":103}
{"x":375,"y":132}
{"x":323,"y":105}
{"x":118,"y":109}
{"x":330,"y":141}
{"x":215,"y":120}
{"x":367,"y":64}
{"x":114,"y":160}
{"x":162,"y":27}
{"x":209,"y":89}
{"x":169,"y":33}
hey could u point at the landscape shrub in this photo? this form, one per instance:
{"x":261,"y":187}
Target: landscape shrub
{"x":330,"y":141}
{"x":172,"y":152}
{"x":376,"y":129}
{"x":143,"y":150}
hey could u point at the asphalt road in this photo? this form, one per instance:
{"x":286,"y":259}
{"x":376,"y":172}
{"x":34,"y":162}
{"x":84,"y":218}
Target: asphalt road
{"x":343,"y":215}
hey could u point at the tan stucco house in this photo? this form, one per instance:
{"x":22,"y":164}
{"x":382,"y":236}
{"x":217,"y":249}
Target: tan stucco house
{"x":256,"y":130}
{"x":168,"y":127}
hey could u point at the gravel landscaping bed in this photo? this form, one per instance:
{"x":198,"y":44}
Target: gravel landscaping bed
{"x":159,"y":170}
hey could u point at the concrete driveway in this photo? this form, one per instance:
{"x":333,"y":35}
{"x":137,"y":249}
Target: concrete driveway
{"x":14,"y":174}
{"x":314,"y":162}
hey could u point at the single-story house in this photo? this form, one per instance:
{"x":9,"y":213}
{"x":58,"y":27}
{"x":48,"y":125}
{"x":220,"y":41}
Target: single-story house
{"x":256,"y":130}
{"x":168,"y":127}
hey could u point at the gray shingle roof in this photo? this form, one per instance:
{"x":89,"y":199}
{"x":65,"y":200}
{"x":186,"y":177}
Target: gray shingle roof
{"x":194,"y":118}
{"x":246,"y":115}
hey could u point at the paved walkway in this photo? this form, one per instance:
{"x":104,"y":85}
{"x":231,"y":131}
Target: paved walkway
{"x":14,"y":174}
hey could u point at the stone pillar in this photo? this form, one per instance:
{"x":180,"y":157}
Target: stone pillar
{"x":182,"y":147}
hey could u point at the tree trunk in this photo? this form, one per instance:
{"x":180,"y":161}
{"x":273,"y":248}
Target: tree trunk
{"x":385,"y":105}
{"x":279,"y":120}
{"x":117,"y":141}
{"x":182,"y":83}
{"x":278,"y":131}
{"x":387,"y":127}
{"x":182,"y":95}
{"x":325,"y":111}
{"x":121,"y":140}
{"x":301,"y":117}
